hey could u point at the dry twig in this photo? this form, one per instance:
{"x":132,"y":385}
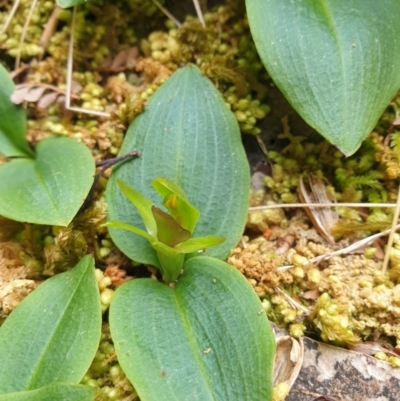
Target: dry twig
{"x":391,"y":235}
{"x":70,"y":63}
{"x":23,"y":33}
{"x":322,"y":219}
{"x":10,"y":15}
{"x":317,"y":205}
{"x":199,"y":12}
{"x":50,"y":27}
{"x":348,"y":249}
{"x":167,"y":13}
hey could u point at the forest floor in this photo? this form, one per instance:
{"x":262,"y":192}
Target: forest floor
{"x":326,"y":273}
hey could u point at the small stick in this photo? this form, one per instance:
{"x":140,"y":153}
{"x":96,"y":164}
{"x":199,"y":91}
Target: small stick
{"x":199,"y":12}
{"x":10,"y":15}
{"x":49,"y":28}
{"x":105,"y":164}
{"x":167,"y":13}
{"x":348,"y":249}
{"x":262,"y":145}
{"x":391,"y":235}
{"x":23,"y":33}
{"x":294,"y":304}
{"x":308,"y":205}
{"x":70,"y":63}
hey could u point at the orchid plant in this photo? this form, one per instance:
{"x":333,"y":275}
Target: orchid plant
{"x":170,"y":234}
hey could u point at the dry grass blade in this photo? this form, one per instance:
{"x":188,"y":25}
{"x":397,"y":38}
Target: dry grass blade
{"x":391,"y":235}
{"x":50,"y":27}
{"x":167,"y":13}
{"x":23,"y":33}
{"x":10,"y":15}
{"x":319,"y":205}
{"x":199,"y":12}
{"x":323,"y":218}
{"x":291,"y":301}
{"x":70,"y":64}
{"x":349,"y":249}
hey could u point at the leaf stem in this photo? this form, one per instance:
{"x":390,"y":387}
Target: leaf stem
{"x":171,"y":265}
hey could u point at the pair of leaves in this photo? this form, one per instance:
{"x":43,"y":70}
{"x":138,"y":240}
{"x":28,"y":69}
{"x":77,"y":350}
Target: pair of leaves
{"x":187,"y":135}
{"x":52,"y":336}
{"x":206,"y":339}
{"x":45,"y":186}
{"x":336,"y":61}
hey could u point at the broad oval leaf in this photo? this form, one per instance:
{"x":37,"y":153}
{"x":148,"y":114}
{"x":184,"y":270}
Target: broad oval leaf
{"x":206,"y":339}
{"x":49,"y":189}
{"x":187,"y":135}
{"x":12,"y":121}
{"x":53,"y":392}
{"x":336,"y":61}
{"x":54,"y":333}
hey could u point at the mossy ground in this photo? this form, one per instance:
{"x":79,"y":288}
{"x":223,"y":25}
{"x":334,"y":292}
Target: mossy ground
{"x":120,"y":58}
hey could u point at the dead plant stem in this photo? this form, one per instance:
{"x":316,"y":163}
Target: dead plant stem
{"x":391,"y":235}
{"x":167,"y":13}
{"x":10,"y":15}
{"x":23,"y":33}
{"x":199,"y":12}
{"x":348,"y":249}
{"x":70,"y":63}
{"x":308,"y":205}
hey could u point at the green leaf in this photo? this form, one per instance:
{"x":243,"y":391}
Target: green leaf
{"x":49,"y":189}
{"x":195,"y":244}
{"x":206,"y":339}
{"x":336,"y":61}
{"x":69,"y":3}
{"x":166,"y":187}
{"x":53,"y":392}
{"x":12,"y":121}
{"x":187,"y":135}
{"x":169,"y":231}
{"x":54,"y":333}
{"x":128,"y":227}
{"x":177,"y":204}
{"x":171,"y":261}
{"x":143,"y":206}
